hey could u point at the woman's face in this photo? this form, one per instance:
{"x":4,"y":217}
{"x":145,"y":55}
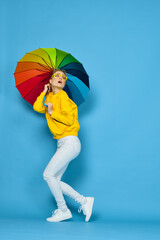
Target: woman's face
{"x":58,"y":81}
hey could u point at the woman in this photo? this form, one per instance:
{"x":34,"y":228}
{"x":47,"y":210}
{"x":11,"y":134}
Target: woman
{"x":62,"y":118}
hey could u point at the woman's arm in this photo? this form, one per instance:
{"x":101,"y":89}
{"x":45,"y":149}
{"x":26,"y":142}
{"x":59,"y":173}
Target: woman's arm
{"x":38,"y":105}
{"x":67,"y":115}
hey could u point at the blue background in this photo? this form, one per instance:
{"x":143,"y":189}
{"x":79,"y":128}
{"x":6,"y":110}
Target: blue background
{"x":118,"y":44}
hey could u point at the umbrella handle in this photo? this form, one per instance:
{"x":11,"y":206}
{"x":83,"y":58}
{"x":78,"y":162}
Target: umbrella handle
{"x":44,"y":102}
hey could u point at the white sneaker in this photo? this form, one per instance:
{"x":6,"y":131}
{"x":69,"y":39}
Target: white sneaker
{"x":59,"y":215}
{"x":87,"y":208}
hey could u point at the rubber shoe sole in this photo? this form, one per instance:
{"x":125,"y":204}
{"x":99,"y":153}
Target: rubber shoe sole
{"x":91,"y":201}
{"x":63,"y":217}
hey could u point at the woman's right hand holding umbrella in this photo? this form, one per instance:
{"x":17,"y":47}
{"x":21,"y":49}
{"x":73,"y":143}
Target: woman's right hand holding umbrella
{"x":46,"y":88}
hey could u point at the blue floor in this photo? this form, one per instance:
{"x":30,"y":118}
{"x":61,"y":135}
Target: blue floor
{"x":38,"y":229}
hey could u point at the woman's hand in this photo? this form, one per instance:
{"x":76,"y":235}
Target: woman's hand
{"x":50,"y":107}
{"x":47,"y":87}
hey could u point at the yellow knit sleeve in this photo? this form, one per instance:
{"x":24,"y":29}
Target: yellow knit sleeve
{"x":66,"y":116}
{"x":38,"y":105}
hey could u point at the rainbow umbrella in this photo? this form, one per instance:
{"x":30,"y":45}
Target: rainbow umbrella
{"x":34,"y":70}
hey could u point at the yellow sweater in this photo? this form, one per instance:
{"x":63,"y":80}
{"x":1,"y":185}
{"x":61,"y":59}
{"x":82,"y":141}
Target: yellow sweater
{"x":64,"y":119}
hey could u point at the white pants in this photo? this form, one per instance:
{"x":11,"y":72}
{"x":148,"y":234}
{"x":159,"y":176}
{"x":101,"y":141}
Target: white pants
{"x":68,"y":148}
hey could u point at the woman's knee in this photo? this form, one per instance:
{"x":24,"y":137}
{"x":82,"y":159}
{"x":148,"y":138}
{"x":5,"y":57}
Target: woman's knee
{"x":47,"y":175}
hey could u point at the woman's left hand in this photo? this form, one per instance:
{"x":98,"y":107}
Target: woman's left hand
{"x":50,"y":107}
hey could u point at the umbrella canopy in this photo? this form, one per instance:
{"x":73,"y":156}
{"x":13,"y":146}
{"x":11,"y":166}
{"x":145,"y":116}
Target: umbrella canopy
{"x":35,"y":69}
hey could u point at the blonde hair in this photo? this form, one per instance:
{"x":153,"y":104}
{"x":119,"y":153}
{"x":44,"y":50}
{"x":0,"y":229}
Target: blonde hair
{"x":57,"y":69}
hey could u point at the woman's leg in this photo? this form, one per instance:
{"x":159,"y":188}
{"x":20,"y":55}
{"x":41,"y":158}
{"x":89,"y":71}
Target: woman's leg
{"x":68,"y":190}
{"x":67,"y":150}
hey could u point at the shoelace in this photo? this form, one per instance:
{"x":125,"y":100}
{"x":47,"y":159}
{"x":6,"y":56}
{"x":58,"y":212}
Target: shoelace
{"x":53,"y":212}
{"x":82,"y":208}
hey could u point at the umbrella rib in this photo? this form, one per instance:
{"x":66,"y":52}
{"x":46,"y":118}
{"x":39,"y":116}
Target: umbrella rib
{"x":70,"y":74}
{"x":48,"y":74}
{"x":78,"y":88}
{"x":48,"y":57}
{"x":44,"y":66}
{"x":41,"y":58}
{"x":41,"y":70}
{"x":63,"y":59}
{"x":56,"y":58}
{"x":38,"y":74}
{"x":84,"y":72}
{"x":35,"y":86}
{"x":78,"y":91}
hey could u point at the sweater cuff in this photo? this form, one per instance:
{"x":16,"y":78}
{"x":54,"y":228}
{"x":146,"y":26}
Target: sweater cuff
{"x":41,"y":96}
{"x":43,"y":93}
